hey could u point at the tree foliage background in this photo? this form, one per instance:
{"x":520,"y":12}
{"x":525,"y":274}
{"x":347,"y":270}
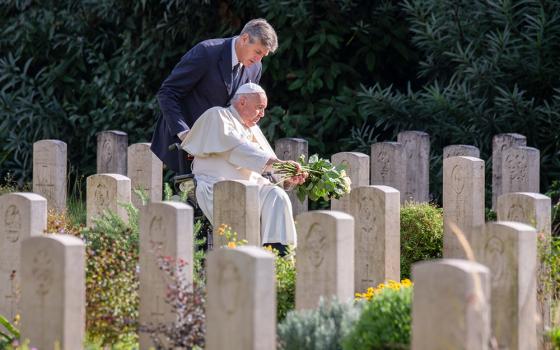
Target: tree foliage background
{"x":347,"y":72}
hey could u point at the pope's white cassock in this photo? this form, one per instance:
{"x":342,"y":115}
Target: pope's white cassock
{"x":225,"y":149}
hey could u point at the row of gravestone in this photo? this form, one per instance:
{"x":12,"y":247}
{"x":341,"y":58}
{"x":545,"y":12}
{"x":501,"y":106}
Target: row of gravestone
{"x":455,"y":301}
{"x":403,"y":165}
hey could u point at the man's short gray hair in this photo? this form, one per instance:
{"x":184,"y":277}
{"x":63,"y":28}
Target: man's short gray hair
{"x":261,"y":30}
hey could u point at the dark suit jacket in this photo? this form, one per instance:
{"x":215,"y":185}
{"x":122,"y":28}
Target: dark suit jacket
{"x":201,"y":80}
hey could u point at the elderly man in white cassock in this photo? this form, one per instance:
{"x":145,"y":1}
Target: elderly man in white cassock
{"x":227,"y":144}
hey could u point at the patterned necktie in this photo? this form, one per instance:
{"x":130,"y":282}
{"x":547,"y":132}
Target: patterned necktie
{"x":235,"y":78}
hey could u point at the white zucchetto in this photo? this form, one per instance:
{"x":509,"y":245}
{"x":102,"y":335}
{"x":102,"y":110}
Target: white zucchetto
{"x":250,"y":88}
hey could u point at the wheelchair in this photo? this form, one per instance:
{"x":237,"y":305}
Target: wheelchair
{"x":184,"y":183}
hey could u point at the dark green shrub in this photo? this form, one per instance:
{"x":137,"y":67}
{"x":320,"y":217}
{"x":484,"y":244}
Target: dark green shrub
{"x":489,"y":67}
{"x":319,"y":329}
{"x":421,"y":234}
{"x":70,"y":69}
{"x":385,"y":322}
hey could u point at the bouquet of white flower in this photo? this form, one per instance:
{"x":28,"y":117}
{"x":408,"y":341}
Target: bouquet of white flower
{"x":324,"y":179}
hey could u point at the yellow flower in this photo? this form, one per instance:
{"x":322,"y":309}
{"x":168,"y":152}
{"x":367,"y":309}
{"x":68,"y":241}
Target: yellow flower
{"x":222,"y":229}
{"x":16,"y":319}
{"x":231,"y":245}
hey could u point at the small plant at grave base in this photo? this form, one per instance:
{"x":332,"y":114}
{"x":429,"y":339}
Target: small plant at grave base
{"x":9,"y":185}
{"x":230,"y":237}
{"x":421,"y":234}
{"x":167,"y":191}
{"x":554,"y":336}
{"x":390,"y":284}
{"x":60,"y":223}
{"x":490,"y":215}
{"x":199,"y":275}
{"x":285,"y":282}
{"x":112,"y":249}
{"x":325,"y":180}
{"x":318,"y":329}
{"x":554,"y":194}
{"x":9,"y":334}
{"x":187,"y":303}
{"x":385,"y":322}
{"x":549,"y":275}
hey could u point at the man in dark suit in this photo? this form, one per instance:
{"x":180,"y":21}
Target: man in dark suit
{"x":208,"y":75}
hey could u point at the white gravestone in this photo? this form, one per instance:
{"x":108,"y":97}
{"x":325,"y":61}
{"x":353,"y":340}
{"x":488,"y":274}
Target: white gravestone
{"x":107,"y":192}
{"x":463,"y":204}
{"x":111,"y":152}
{"x":460,"y":150}
{"x":533,"y":209}
{"x":22,"y":215}
{"x":241,"y":301}
{"x":53,"y":292}
{"x":166,"y":230}
{"x":417,"y":147}
{"x":521,"y":170}
{"x":376,"y":212}
{"x":500,"y":143}
{"x":325,"y":263}
{"x":291,"y":149}
{"x":49,"y":172}
{"x":145,"y":171}
{"x":357,"y":169}
{"x":451,"y":305}
{"x":388,"y":166}
{"x":236,"y":204}
{"x":510,"y":252}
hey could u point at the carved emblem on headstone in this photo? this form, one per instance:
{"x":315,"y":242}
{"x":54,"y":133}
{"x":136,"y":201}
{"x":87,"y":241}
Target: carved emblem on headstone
{"x":383,"y":159}
{"x":107,"y":151}
{"x":157,"y":234}
{"x":316,"y":242}
{"x":458,"y":181}
{"x":12,"y":223}
{"x":42,"y":272}
{"x":101,"y":196}
{"x":494,"y":251}
{"x":516,"y":213}
{"x":229,"y":281}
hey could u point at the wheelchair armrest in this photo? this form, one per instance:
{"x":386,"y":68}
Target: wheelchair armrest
{"x":180,"y":178}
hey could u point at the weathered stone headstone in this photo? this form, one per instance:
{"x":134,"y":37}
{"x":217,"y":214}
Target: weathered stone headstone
{"x":451,"y":305}
{"x":107,"y":192}
{"x":533,"y":209}
{"x":520,"y":170}
{"x":417,"y":147}
{"x":291,"y":149}
{"x":460,"y":151}
{"x":22,"y":215}
{"x":376,"y":212}
{"x":241,"y":301}
{"x":236,"y":204}
{"x":166,"y":230}
{"x":111,"y":152}
{"x":510,"y":252}
{"x":463,"y":204}
{"x":49,"y":172}
{"x":357,"y":169}
{"x":388,"y":166}
{"x":145,"y":171}
{"x":500,"y":143}
{"x":53,"y":292}
{"x":325,"y":263}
